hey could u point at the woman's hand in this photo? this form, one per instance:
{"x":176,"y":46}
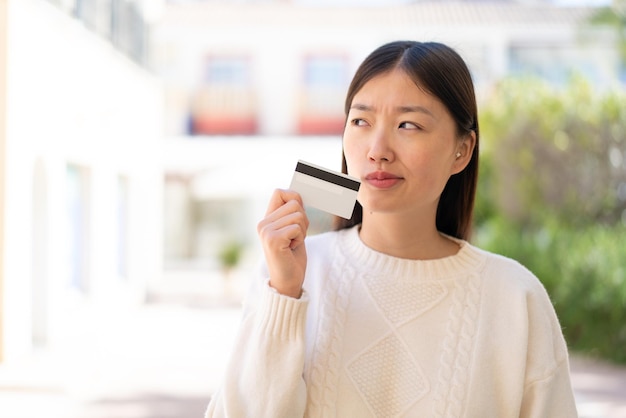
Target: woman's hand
{"x":282,"y":234}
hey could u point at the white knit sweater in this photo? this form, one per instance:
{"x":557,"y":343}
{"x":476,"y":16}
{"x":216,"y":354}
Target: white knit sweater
{"x":471,"y":335}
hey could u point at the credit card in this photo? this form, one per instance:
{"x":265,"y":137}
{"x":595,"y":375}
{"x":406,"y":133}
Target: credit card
{"x":324,"y":189}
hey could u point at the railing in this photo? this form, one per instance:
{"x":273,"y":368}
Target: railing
{"x":121,"y":22}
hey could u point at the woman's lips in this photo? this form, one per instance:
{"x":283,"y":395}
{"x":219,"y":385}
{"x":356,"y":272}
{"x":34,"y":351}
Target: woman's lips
{"x":382,"y":179}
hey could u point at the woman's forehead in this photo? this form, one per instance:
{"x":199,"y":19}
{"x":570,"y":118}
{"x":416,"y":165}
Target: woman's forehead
{"x":395,"y":88}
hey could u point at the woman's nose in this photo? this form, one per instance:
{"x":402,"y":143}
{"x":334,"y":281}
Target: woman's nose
{"x":380,"y":149}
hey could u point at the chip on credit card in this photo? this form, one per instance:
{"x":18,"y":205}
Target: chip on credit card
{"x":324,"y":189}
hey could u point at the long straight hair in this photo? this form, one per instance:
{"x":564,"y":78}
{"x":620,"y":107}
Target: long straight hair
{"x":440,"y":71}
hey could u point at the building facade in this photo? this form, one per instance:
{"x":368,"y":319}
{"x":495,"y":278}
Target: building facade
{"x":238,"y":75}
{"x":80,"y":174}
{"x":282,"y":68}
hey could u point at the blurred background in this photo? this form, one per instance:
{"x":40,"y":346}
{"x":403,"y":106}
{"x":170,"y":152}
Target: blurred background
{"x":140,"y":141}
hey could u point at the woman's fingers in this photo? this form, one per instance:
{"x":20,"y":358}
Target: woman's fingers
{"x":280,"y":197}
{"x":290,"y":213}
{"x":282,"y":233}
{"x":285,"y":212}
{"x":287,"y":231}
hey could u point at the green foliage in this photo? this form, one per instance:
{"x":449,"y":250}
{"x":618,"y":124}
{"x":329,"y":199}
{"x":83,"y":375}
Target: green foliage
{"x":552,"y":194}
{"x":556,"y":151}
{"x":230,"y":255}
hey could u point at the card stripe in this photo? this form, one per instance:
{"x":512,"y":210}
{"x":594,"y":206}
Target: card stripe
{"x":327,"y":176}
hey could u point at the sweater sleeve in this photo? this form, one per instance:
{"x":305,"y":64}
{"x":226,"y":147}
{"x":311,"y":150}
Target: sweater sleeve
{"x":550,"y":397}
{"x":264,"y":374}
{"x":548,"y":389}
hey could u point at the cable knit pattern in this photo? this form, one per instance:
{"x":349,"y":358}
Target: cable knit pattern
{"x":453,"y":374}
{"x":402,"y":296}
{"x":326,"y":353}
{"x":472,"y":335}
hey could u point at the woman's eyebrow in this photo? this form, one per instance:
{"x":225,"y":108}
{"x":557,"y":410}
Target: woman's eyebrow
{"x":415,"y":109}
{"x":399,"y":109}
{"x":362,"y":107}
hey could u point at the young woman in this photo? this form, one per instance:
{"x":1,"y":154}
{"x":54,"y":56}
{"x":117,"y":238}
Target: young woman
{"x":395,"y":314}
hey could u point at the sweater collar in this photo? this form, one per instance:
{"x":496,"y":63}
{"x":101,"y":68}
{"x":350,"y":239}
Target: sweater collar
{"x":466,"y":260}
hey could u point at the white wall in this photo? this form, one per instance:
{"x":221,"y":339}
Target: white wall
{"x":73,"y":99}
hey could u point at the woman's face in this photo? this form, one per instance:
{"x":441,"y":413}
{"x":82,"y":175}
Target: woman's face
{"x":402,"y":143}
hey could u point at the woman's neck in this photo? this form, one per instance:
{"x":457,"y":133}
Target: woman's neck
{"x":405,"y":237}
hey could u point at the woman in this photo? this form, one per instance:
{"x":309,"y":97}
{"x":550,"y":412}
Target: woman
{"x":395,"y":314}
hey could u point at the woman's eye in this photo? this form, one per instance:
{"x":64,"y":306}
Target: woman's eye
{"x":359,"y":122}
{"x":408,"y":125}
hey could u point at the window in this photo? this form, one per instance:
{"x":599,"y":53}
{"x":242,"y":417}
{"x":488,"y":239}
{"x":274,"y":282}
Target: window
{"x":554,"y":64}
{"x":225,"y":102}
{"x":325,"y":80}
{"x":122,"y":227}
{"x":77,"y":227}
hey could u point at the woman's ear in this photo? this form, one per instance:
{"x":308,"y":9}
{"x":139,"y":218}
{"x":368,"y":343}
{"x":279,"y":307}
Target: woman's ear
{"x":464,"y":152}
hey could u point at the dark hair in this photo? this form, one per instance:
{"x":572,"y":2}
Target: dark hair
{"x":440,"y":71}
